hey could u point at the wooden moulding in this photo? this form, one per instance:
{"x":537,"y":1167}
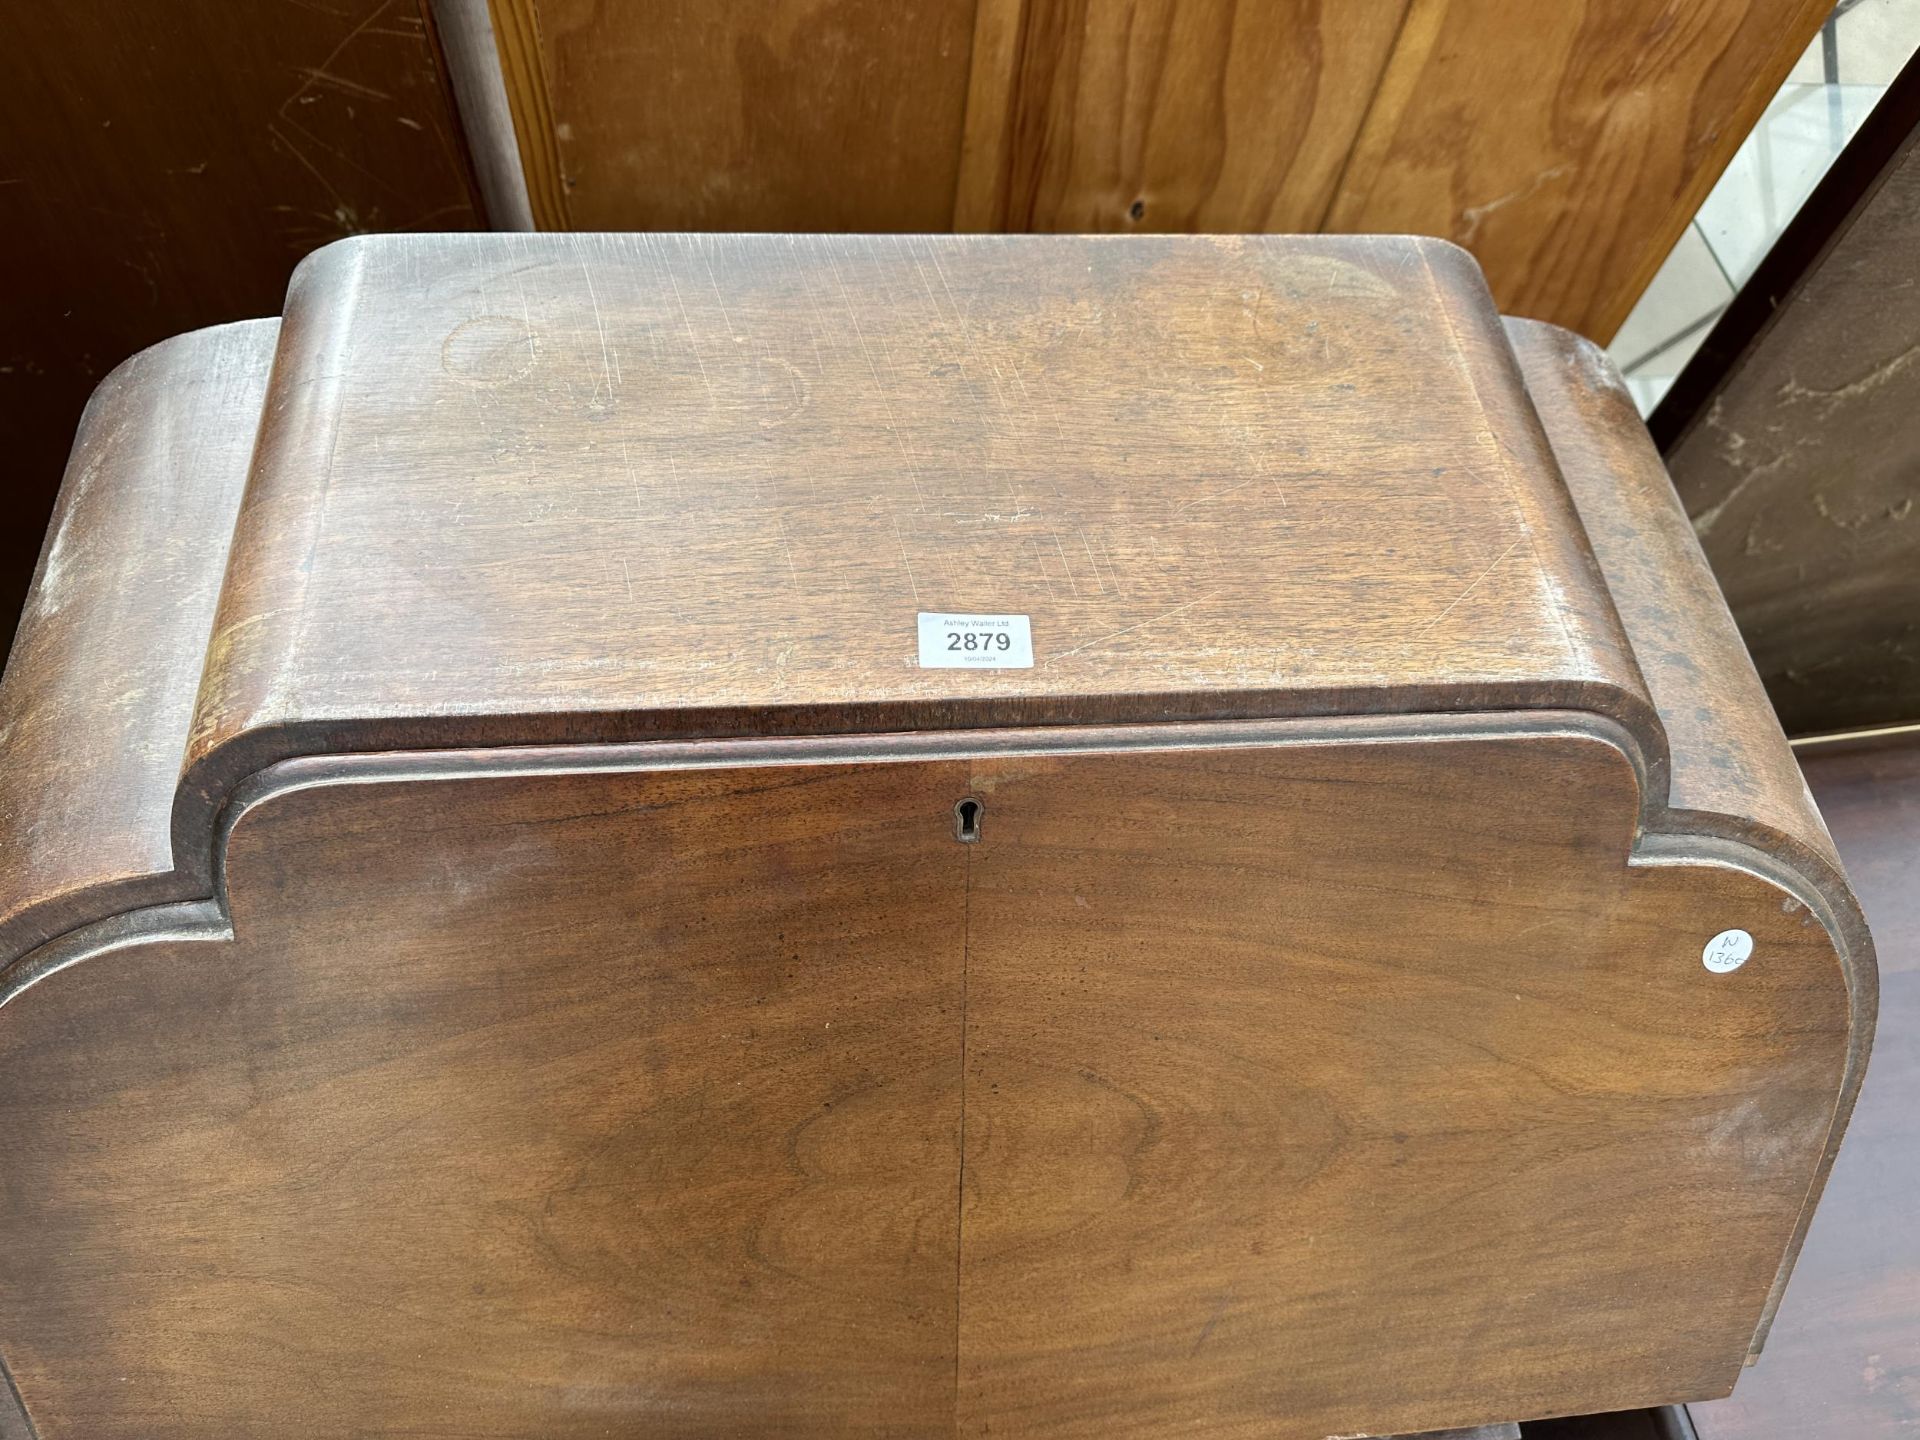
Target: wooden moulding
{"x":511,"y":954}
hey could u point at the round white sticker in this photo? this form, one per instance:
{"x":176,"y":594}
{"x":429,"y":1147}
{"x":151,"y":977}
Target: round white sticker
{"x":1727,"y":951}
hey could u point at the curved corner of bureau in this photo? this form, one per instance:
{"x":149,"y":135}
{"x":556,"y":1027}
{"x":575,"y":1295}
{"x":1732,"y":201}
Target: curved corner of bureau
{"x":501,"y":936}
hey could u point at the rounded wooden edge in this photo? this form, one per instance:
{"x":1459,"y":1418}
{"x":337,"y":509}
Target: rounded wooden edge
{"x":1818,"y":884}
{"x":143,"y":521}
{"x":1734,"y":788}
{"x":217,"y":766}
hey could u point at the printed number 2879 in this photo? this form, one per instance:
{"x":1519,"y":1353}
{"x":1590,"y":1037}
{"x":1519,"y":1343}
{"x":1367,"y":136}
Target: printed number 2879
{"x":979,"y":640}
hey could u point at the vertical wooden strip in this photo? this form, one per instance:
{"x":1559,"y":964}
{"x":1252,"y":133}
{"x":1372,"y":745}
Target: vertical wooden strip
{"x":1567,"y":146}
{"x":1412,"y":44}
{"x":517,"y":32}
{"x":980,"y":195}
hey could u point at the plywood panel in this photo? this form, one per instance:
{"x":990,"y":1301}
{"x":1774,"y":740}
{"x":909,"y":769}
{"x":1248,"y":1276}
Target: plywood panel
{"x":1567,"y":145}
{"x":742,"y":115}
{"x":1215,"y":115}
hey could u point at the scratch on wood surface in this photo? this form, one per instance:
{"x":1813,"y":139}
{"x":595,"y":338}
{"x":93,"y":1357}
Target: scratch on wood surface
{"x":1105,"y":582}
{"x":880,"y":386}
{"x":786,"y":549}
{"x":1219,"y":1309}
{"x":300,"y":156}
{"x":323,"y":73}
{"x":901,"y":540}
{"x":719,"y":297}
{"x":339,"y":82}
{"x":1065,"y":566}
{"x":1221,"y":494}
{"x":609,"y":360}
{"x":1128,"y":630}
{"x":633,"y":483}
{"x":1475,"y":214}
{"x":693,"y":340}
{"x":1472,"y":585}
{"x":971,"y":347}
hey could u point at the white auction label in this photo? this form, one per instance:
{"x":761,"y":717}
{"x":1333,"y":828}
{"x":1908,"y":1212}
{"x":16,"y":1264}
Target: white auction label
{"x":975,"y":642}
{"x":1727,"y":951}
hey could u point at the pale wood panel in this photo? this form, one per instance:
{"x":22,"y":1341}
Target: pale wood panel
{"x":744,"y":115}
{"x":1568,"y":144}
{"x":1217,"y":115}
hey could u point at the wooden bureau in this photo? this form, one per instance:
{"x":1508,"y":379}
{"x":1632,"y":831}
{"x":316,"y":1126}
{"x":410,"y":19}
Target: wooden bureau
{"x":504,"y":936}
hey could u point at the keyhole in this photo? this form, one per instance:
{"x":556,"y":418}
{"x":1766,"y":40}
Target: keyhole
{"x":966,"y":820}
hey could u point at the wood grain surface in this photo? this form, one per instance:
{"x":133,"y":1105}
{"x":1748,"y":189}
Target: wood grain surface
{"x":1733,"y":775}
{"x":1844,"y":1357}
{"x":614,"y":487}
{"x":639,"y":1111}
{"x":164,"y":167}
{"x":1263,"y":1190}
{"x":1566,"y":145}
{"x":762,"y":115}
{"x":1215,"y":116}
{"x":1799,"y":472}
{"x":737,"y":1093}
